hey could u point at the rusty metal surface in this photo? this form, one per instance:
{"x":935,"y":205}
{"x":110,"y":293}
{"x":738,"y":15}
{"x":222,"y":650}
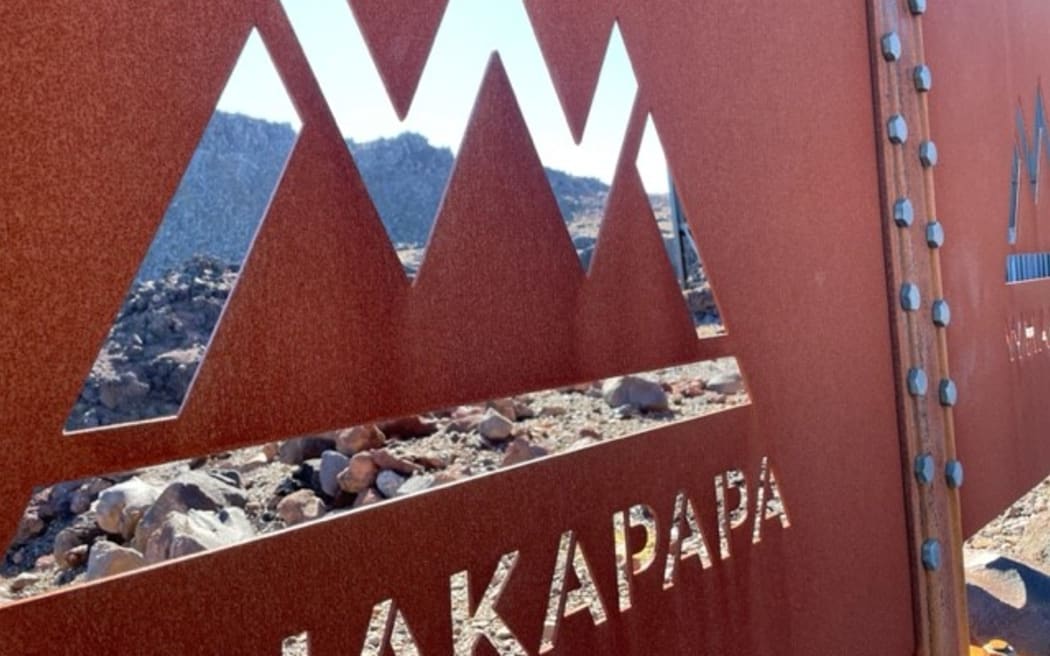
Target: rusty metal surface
{"x":103,"y":105}
{"x":989,"y":61}
{"x":920,"y":346}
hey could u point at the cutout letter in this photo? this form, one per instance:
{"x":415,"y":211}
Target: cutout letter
{"x":388,"y":626}
{"x":562,"y":604}
{"x":638,"y":516}
{"x":468,"y":627}
{"x":730,"y":519}
{"x":770,"y":508}
{"x":679,"y":548}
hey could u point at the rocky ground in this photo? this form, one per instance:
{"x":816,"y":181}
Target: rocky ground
{"x":158,"y":338}
{"x":85,"y":530}
{"x":1022,"y":531}
{"x":1008,"y":577}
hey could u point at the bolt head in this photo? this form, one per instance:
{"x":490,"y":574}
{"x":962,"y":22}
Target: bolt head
{"x":897,"y":129}
{"x":928,"y":154}
{"x":903,"y":213}
{"x":917,"y":382}
{"x":948,"y":394}
{"x":924,"y":468}
{"x":923,"y":78}
{"x":934,"y":234}
{"x":911,"y":299}
{"x":891,"y":46}
{"x":953,"y":474}
{"x":931,"y":555}
{"x":917,"y":7}
{"x":942,"y":313}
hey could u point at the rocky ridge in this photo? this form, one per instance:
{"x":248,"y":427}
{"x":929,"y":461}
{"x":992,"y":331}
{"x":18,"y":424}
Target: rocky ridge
{"x":233,"y":173}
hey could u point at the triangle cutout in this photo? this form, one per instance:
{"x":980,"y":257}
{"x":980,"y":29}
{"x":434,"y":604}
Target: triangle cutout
{"x":150,"y":357}
{"x":681,"y":248}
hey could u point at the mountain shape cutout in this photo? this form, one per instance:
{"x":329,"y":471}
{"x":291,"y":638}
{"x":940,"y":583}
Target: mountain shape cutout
{"x":229,"y":181}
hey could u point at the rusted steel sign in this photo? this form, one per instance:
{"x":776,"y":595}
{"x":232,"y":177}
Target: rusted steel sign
{"x":803,"y":141}
{"x":990,"y":113}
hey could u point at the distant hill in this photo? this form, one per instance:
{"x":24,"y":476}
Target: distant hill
{"x":237,"y":164}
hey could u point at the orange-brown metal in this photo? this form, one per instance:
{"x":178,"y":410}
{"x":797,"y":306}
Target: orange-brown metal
{"x":920,"y":346}
{"x":765,"y":112}
{"x":991,"y":62}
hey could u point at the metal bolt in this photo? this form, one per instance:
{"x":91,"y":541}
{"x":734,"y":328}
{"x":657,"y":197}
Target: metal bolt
{"x":942,"y":313}
{"x":891,"y":46}
{"x":931,"y":555}
{"x":923,"y":78}
{"x":903,"y":213}
{"x":897,"y":128}
{"x":953,"y":472}
{"x":911,"y":299}
{"x":949,"y":395}
{"x":924,"y":468}
{"x":934,"y":234}
{"x":928,"y":154}
{"x":917,"y":6}
{"x":917,"y":382}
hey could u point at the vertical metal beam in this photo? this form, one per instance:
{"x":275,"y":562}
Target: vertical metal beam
{"x":902,"y":83}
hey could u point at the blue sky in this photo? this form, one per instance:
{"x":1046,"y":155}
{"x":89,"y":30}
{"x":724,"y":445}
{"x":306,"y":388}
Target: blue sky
{"x":470,"y":31}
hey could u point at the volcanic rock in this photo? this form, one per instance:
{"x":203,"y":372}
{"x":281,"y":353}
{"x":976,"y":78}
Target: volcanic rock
{"x":192,"y":490}
{"x":407,"y":427}
{"x":386,"y":460}
{"x":634,"y":391}
{"x":521,"y":450}
{"x":120,"y":507}
{"x":727,"y":383}
{"x":359,"y":474}
{"x":332,"y":462}
{"x":388,"y":483}
{"x":81,"y":532}
{"x":193,"y":531}
{"x":495,"y":427}
{"x":107,"y":559}
{"x":295,"y":451}
{"x":359,"y":438}
{"x":299,"y":507}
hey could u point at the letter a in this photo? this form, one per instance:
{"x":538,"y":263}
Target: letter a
{"x":388,"y":626}
{"x":679,"y":548}
{"x":561,"y":603}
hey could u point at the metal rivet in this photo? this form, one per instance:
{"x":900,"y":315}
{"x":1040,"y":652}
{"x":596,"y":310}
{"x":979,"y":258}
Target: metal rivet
{"x":949,"y":395}
{"x":924,"y":468}
{"x":917,"y":6}
{"x":917,"y":382}
{"x":953,"y":473}
{"x":891,"y":46}
{"x":928,"y":154}
{"x":931,"y":555}
{"x":934,"y":234}
{"x":942,"y":313}
{"x":897,"y":129}
{"x":923,"y":78}
{"x":911,"y":299}
{"x":903,"y":213}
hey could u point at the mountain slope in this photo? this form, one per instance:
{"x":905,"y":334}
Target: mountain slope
{"x":232,"y":176}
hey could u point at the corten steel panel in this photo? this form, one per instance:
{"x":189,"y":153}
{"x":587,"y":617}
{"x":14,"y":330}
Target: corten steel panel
{"x":989,"y":60}
{"x":903,"y":131}
{"x":103,"y":103}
